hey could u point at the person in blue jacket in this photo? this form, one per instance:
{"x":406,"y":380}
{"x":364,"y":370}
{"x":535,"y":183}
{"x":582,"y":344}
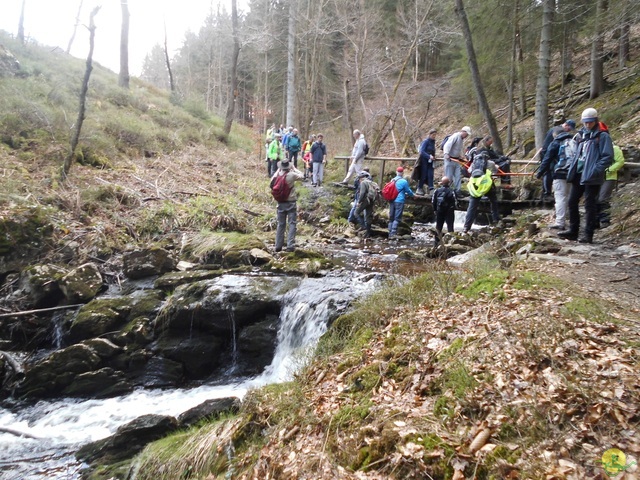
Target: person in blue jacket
{"x":427,"y":158}
{"x":396,"y":208}
{"x":594,"y":154}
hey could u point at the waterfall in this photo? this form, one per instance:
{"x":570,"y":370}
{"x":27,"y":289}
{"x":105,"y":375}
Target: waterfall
{"x":305,"y":316}
{"x":61,"y":426}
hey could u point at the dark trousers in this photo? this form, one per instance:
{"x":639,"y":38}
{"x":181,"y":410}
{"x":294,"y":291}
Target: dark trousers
{"x":444,"y":216}
{"x":364,"y":215}
{"x":426,"y":173}
{"x":590,"y":193}
{"x":472,"y":209}
{"x":293,"y":157}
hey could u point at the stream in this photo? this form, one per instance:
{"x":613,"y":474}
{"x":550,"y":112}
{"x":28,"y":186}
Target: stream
{"x":55,"y":429}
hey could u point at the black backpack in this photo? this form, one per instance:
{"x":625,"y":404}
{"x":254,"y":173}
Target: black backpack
{"x":366,"y":148}
{"x":445,"y":198}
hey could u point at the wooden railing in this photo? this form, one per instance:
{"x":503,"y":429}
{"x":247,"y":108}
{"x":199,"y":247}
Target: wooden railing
{"x":411,"y":161}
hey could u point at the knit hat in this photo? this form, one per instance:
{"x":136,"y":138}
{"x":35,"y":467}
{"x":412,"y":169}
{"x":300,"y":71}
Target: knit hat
{"x":364,"y":174}
{"x":589,"y":115}
{"x":571,"y":123}
{"x":399,"y":170}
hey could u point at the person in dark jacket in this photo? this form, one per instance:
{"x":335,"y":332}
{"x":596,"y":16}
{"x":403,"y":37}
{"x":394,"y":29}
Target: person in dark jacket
{"x":567,"y":126}
{"x":427,"y":158}
{"x":444,"y":206}
{"x":586,"y":174}
{"x":556,"y":163}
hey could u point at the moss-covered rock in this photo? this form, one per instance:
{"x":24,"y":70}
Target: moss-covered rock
{"x":108,"y":314}
{"x":42,"y":283}
{"x":148,"y":262}
{"x":81,"y":284}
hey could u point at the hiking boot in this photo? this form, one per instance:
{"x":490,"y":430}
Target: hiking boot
{"x":568,"y":235}
{"x":585,"y":238}
{"x":291,"y":249}
{"x":557,"y":227}
{"x":420,"y":192}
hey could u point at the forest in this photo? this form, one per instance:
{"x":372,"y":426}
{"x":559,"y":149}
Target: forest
{"x":391,"y":67}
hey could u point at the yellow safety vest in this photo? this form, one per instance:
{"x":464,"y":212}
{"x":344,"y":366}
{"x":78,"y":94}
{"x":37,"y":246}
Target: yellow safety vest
{"x":480,"y":186}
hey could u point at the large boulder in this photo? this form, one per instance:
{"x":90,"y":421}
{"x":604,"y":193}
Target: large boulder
{"x":199,"y":354}
{"x":108,"y":314}
{"x":81,"y":284}
{"x":209,"y":409}
{"x":42,"y":284}
{"x":161,"y":372}
{"x":223,"y":304}
{"x":148,"y":262}
{"x":102,"y":383}
{"x":257,"y":344}
{"x":51,"y":375}
{"x":128,"y":440}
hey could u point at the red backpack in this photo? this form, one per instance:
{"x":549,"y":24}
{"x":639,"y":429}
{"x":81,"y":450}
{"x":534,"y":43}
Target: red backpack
{"x":390,"y":191}
{"x":280,"y":189}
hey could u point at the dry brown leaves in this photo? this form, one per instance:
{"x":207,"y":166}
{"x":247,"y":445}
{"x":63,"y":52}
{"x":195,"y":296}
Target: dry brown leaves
{"x":550,"y":394}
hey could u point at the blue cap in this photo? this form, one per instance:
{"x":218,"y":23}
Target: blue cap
{"x":571,"y":123}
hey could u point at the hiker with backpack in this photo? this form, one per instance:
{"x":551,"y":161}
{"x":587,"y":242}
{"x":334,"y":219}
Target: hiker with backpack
{"x":318,"y":160}
{"x":481,"y":184}
{"x":606,"y":190}
{"x":284,"y":192}
{"x":426,"y":160}
{"x":503,"y":163}
{"x":396,"y":204}
{"x":293,"y":147}
{"x":365,"y":201}
{"x":360,"y":150}
{"x":274,"y":154}
{"x":560,"y":126}
{"x":556,"y":164}
{"x":586,"y":174}
{"x":444,"y":206}
{"x":453,"y":150}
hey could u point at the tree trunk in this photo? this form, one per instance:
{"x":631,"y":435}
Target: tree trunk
{"x":233,"y":84}
{"x":291,"y":64}
{"x":475,"y":76}
{"x":75,"y":136}
{"x":21,"y":24}
{"x":521,"y":73}
{"x":597,"y":52}
{"x":512,"y":73}
{"x":347,"y":110}
{"x":123,"y":78}
{"x":623,"y":35}
{"x":172,"y":84}
{"x":544,"y":61}
{"x":75,"y":27}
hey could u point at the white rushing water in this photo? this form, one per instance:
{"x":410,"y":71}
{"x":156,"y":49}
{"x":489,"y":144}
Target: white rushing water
{"x":61,"y":426}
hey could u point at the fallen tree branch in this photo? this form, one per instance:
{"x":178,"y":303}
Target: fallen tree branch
{"x":40,"y":310}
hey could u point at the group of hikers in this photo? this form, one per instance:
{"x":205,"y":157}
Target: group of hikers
{"x":284,"y":144}
{"x":583,"y":163}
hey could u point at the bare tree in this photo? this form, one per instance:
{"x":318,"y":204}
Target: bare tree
{"x":233,"y":84}
{"x":75,"y":27}
{"x":291,"y":63}
{"x":544,"y":61}
{"x":475,"y":76}
{"x":123,"y":78}
{"x":172,"y":84}
{"x":75,"y":136}
{"x":21,"y":24}
{"x":512,"y":73}
{"x":597,"y":52}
